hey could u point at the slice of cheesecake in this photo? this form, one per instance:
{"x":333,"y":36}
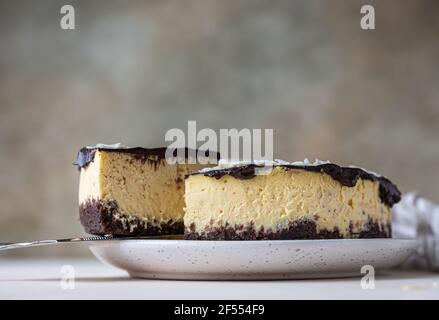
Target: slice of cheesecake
{"x":131,"y":191}
{"x":293,"y":201}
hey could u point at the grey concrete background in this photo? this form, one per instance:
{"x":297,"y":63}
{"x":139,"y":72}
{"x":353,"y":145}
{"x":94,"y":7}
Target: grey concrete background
{"x":134,"y":69}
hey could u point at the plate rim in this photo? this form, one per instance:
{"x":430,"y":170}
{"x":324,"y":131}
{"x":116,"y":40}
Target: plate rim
{"x":284,"y":241}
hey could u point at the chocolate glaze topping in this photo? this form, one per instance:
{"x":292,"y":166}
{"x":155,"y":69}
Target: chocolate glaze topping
{"x":347,"y":176}
{"x":86,"y":155}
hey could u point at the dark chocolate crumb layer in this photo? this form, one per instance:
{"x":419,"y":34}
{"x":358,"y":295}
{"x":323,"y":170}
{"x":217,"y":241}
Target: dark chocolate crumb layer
{"x":98,"y":217}
{"x":347,"y":176}
{"x":299,"y":229}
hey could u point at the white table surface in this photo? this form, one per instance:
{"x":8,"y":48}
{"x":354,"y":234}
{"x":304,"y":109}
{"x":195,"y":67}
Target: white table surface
{"x":41,"y":279}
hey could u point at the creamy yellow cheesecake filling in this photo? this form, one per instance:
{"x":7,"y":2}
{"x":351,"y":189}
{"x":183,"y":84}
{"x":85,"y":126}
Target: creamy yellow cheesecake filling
{"x":271,"y":202}
{"x":146,"y":188}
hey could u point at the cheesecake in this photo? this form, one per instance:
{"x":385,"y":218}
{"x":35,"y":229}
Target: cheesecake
{"x":299,"y":200}
{"x":131,"y":191}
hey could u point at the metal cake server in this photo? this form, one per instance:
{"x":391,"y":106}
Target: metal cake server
{"x":16,"y":245}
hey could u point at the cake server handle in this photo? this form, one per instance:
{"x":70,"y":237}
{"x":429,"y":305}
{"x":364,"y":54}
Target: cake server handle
{"x":8,"y":246}
{"x":17,"y":245}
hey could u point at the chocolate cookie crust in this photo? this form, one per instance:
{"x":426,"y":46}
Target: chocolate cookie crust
{"x":347,"y":176}
{"x":102,"y":217}
{"x":300,"y":229}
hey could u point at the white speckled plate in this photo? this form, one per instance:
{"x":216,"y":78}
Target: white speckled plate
{"x":257,"y":260}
